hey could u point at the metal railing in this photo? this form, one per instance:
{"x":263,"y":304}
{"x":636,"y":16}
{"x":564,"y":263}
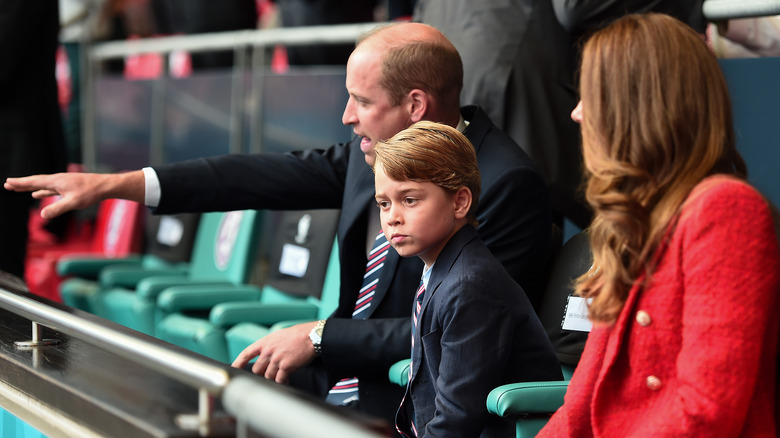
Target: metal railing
{"x":259,"y":408}
{"x":250,"y":49}
{"x":731,"y":9}
{"x":209,"y":380}
{"x":253,"y":403}
{"x":289,"y":36}
{"x":250,"y":53}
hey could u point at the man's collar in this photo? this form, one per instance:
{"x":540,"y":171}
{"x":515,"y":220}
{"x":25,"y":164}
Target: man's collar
{"x":462,"y":124}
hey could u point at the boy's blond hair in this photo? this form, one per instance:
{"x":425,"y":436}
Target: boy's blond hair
{"x":432,"y":152}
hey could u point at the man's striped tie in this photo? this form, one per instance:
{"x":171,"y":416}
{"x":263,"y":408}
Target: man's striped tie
{"x":346,"y":390}
{"x":376,"y":260}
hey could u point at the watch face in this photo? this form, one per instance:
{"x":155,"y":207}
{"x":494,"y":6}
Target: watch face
{"x":316,"y":336}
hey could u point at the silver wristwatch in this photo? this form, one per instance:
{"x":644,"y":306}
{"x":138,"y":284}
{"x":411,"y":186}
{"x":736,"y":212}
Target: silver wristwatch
{"x":316,"y":336}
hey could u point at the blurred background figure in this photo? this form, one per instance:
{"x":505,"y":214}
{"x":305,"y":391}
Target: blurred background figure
{"x":31,"y":135}
{"x":205,"y":16}
{"x":745,"y":37}
{"x":518,"y":64}
{"x":294,"y":13}
{"x":519,"y":59}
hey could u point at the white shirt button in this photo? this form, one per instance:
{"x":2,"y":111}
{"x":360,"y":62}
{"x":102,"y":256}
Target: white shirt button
{"x":643,"y":318}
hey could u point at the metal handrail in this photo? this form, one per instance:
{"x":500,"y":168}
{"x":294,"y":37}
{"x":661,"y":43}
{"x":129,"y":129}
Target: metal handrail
{"x":209,"y":380}
{"x":257,"y":406}
{"x":264,"y":408}
{"x":180,"y":367}
{"x":731,"y":9}
{"x":290,"y":36}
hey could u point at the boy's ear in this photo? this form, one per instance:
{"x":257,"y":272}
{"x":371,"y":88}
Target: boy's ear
{"x":462,"y":199}
{"x":418,"y":105}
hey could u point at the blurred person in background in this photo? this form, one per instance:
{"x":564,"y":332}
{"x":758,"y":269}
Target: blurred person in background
{"x":31,"y":135}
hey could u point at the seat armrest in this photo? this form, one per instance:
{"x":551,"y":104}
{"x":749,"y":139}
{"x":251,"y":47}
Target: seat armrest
{"x":150,"y":287}
{"x":89,"y":267}
{"x":525,"y":398}
{"x":228,"y":314}
{"x":399,"y":372}
{"x":129,"y":276}
{"x":199,"y":297}
{"x":289,"y":323}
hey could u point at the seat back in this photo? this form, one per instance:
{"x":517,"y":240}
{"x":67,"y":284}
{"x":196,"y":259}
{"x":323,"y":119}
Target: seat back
{"x":225,"y":246}
{"x":331,"y":287}
{"x":299,"y":255}
{"x":560,"y":312}
{"x":301,"y":244}
{"x":171,"y":238}
{"x":119,"y":228}
{"x":118,"y":232}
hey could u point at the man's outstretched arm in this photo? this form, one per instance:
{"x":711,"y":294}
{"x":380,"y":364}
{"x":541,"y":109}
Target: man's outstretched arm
{"x":79,"y":190}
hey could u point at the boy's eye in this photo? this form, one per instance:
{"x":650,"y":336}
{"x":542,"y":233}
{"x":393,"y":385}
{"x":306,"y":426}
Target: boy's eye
{"x":410,"y":201}
{"x":382,"y":204}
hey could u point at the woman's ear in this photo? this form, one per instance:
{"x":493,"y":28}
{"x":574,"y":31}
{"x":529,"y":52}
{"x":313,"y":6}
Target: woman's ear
{"x":462,"y":199}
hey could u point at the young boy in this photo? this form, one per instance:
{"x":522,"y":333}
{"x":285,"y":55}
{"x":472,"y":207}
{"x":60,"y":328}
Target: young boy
{"x":473,"y":328}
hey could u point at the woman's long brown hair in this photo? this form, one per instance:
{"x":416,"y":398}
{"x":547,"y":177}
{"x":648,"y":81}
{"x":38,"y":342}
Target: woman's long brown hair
{"x":656,"y":121}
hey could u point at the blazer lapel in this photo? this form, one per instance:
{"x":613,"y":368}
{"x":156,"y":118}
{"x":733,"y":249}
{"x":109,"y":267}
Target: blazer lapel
{"x":417,"y":350}
{"x":447,"y":258}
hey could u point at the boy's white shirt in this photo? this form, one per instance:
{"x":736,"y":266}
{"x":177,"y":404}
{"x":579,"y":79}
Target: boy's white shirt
{"x":427,"y":275}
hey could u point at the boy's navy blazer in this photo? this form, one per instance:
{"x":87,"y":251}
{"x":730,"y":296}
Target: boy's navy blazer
{"x":476,"y":331}
{"x":514,"y":215}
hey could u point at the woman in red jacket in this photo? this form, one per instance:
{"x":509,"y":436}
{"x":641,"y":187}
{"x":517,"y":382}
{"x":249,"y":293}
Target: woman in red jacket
{"x":686,"y":273}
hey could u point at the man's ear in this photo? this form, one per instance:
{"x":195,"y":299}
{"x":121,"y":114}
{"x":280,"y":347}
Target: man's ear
{"x":418,"y":101}
{"x":462,"y":199}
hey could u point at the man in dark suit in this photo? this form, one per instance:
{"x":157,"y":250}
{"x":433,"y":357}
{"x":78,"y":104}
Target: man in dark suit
{"x":31,"y":136}
{"x":396,"y":76}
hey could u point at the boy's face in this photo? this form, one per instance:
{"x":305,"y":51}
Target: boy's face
{"x":419,"y":218}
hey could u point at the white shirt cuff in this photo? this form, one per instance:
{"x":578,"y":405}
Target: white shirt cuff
{"x":152,"y":187}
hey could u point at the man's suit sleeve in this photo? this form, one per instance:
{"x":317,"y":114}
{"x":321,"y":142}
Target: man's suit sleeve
{"x":388,"y":341}
{"x":296,"y":180}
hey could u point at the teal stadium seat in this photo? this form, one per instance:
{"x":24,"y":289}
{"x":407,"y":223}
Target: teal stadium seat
{"x":222,"y":259}
{"x":302,"y":284}
{"x":167,"y":251}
